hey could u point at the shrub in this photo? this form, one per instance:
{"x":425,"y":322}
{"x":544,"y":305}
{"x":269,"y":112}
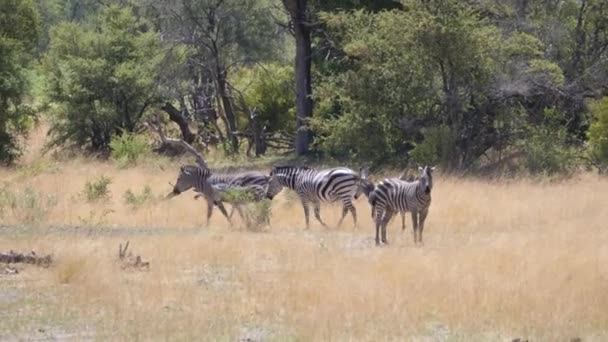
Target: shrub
{"x":598,"y":134}
{"x":98,"y":189}
{"x":545,"y":149}
{"x":128,"y":148}
{"x":438,"y":147}
{"x":27,"y":206}
{"x":137,"y":200}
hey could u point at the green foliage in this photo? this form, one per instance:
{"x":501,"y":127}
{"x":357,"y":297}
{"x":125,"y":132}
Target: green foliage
{"x":437,"y":148}
{"x":259,"y":214}
{"x":19,"y":30}
{"x":545,"y":147}
{"x":97,"y":189}
{"x":236,"y":195}
{"x":27,"y":206}
{"x":137,"y":200}
{"x":269,"y":88}
{"x":598,"y":134}
{"x":102,"y":80}
{"x":128,"y":148}
{"x":408,"y":70}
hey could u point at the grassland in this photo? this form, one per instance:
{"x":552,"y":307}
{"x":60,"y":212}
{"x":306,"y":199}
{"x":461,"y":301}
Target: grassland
{"x":502,"y":259}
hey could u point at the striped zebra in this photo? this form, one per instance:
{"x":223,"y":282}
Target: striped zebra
{"x":316,"y":186}
{"x":245,"y":179}
{"x":395,"y":195}
{"x":238,"y":195}
{"x":195,"y":177}
{"x":367,"y":187}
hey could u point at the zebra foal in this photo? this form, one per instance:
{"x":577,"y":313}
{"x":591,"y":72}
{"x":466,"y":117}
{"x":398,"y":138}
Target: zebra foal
{"x":395,"y":195}
{"x":315,"y":186}
{"x":238,"y":195}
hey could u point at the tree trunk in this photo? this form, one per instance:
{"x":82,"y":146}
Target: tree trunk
{"x":228,"y":109}
{"x":297,"y":11}
{"x":176,"y":116}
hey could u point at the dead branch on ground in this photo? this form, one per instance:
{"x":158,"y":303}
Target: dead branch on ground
{"x":31,"y":258}
{"x":154,"y":125}
{"x":130,"y":261}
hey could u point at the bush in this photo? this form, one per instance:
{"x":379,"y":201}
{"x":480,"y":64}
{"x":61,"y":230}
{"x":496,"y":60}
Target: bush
{"x":598,"y":134}
{"x":438,"y":147}
{"x":137,"y":200}
{"x":27,"y":206}
{"x":257,"y":214}
{"x":128,"y":148}
{"x":98,"y":189}
{"x":545,"y":149}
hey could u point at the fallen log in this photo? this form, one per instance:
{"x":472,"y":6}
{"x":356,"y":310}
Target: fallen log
{"x":31,"y":258}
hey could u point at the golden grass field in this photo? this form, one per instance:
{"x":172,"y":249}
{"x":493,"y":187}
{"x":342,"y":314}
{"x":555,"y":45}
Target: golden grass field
{"x":502,"y":259}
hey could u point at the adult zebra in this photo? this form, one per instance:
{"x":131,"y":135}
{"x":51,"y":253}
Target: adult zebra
{"x":315,"y":186}
{"x":367,"y":187}
{"x":395,"y":195}
{"x":191,"y":176}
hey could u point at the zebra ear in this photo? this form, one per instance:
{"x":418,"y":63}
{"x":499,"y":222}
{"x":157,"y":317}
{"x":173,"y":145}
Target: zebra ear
{"x":420,"y":168}
{"x":432,"y":168}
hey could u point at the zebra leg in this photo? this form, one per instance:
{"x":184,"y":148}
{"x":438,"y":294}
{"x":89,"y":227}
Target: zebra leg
{"x":233,"y":207}
{"x":209,"y":211}
{"x":378,"y":220}
{"x":220,"y":206}
{"x":387,"y":218}
{"x":241,"y":214}
{"x":402,"y":221}
{"x":415,"y":226}
{"x":344,"y":212}
{"x":306,"y":213}
{"x":317,"y":210}
{"x":422,"y":217}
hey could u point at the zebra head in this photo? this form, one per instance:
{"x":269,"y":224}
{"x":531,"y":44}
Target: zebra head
{"x":273,"y":187}
{"x":189,"y":177}
{"x":365,"y":185}
{"x":426,"y":178}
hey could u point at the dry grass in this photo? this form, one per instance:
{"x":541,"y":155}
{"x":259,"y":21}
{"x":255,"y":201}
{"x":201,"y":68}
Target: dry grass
{"x":502,"y":260}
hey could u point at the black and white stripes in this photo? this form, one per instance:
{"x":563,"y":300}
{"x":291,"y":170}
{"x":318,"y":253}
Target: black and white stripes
{"x":197,"y":178}
{"x":316,"y":186}
{"x":395,"y":195}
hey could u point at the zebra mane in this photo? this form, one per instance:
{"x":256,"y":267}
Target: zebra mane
{"x":189,"y":168}
{"x":290,"y":167}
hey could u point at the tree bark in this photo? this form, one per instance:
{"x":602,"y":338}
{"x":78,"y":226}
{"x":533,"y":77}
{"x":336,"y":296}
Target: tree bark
{"x":176,"y":116}
{"x":228,"y":109}
{"x":297,"y":11}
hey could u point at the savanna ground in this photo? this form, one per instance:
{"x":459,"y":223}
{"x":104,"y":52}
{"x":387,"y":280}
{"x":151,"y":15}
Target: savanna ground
{"x":502,"y":259}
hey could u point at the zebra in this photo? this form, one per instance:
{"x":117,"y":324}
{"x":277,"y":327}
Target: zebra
{"x":237,"y":195}
{"x":392,"y":195}
{"x":196,"y":177}
{"x":246,"y":179}
{"x":316,"y":186}
{"x":367,"y":187}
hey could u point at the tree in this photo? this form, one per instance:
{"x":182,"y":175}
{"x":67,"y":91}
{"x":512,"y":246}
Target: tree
{"x":19,"y":30}
{"x":218,"y":36}
{"x":297,"y":10}
{"x":102,"y":79}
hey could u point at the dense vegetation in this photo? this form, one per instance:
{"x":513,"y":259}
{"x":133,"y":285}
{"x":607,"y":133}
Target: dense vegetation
{"x":481,"y":85}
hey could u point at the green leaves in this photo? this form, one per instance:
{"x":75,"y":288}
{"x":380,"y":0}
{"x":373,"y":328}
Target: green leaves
{"x":102,"y":79}
{"x":19,"y":29}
